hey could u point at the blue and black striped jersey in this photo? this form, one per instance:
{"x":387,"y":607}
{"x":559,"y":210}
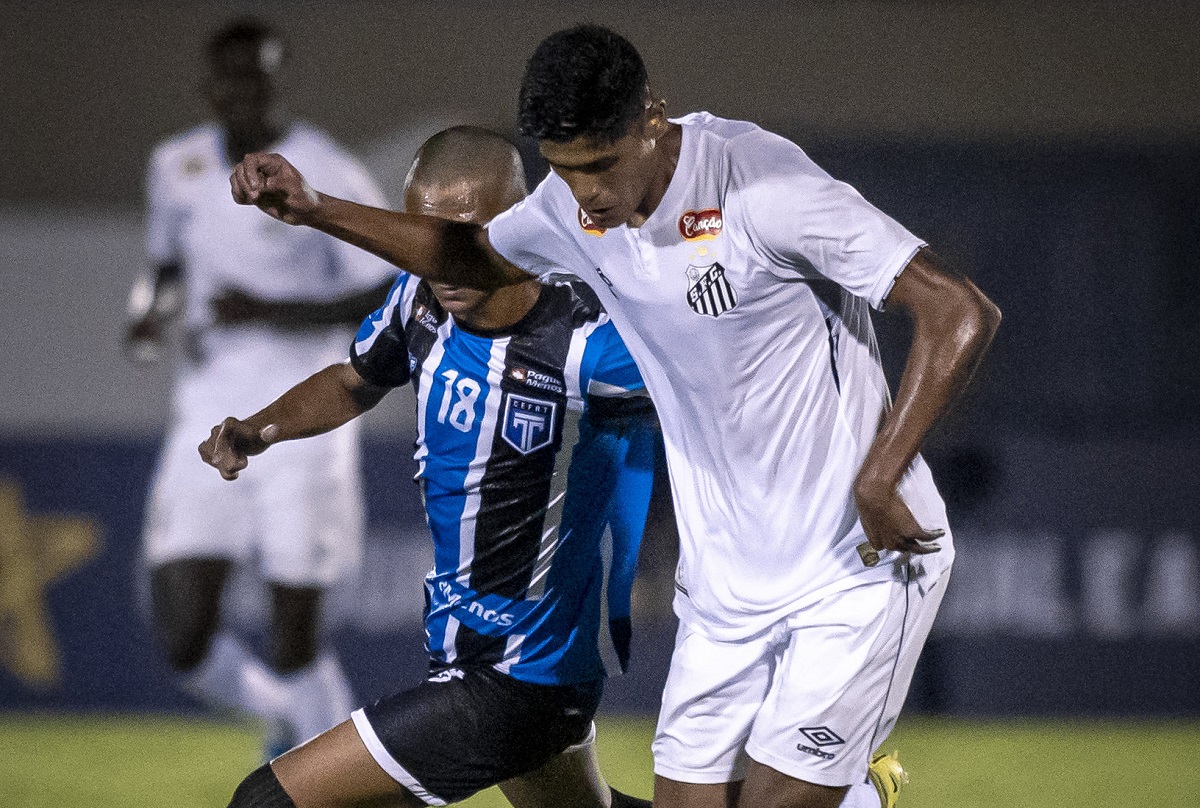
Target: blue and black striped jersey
{"x":520,"y":569}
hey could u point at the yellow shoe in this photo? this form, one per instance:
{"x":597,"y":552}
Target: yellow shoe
{"x":887,"y":775}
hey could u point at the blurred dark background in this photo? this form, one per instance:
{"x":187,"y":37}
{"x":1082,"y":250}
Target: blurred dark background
{"x":1049,"y":150}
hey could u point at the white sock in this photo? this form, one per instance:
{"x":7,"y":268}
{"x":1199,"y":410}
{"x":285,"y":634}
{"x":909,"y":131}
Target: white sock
{"x":862,"y":795}
{"x":311,"y":700}
{"x":217,"y":680}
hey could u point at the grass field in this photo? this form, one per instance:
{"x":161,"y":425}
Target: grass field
{"x":133,"y":761}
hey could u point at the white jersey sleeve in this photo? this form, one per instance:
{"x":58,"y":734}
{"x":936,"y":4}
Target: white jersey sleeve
{"x":531,"y":235}
{"x":798,"y":216}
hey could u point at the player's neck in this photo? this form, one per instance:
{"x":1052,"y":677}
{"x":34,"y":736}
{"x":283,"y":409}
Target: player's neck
{"x":503,"y":309}
{"x":252,"y":138}
{"x":667,"y":153}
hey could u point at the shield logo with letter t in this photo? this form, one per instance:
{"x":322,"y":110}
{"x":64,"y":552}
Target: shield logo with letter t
{"x":528,"y":423}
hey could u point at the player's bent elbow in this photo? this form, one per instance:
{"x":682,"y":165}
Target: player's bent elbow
{"x":987,"y":317}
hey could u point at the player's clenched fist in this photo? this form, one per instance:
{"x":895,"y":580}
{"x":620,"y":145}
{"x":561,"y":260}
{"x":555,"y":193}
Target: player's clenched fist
{"x":275,"y":186}
{"x":231,"y":444}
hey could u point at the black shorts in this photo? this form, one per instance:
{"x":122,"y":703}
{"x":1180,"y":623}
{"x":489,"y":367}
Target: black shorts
{"x":468,"y":728}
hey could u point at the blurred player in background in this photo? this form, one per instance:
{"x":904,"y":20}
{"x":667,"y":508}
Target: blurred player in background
{"x":518,"y":596}
{"x":263,"y":306}
{"x":814,"y":547}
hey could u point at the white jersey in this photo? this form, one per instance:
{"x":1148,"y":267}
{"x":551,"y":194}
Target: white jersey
{"x":194,"y":222}
{"x":298,"y":509}
{"x":743,"y":299}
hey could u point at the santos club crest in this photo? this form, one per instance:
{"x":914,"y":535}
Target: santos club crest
{"x":709,"y":291}
{"x":528,"y":423}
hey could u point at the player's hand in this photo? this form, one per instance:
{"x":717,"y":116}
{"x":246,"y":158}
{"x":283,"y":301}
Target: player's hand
{"x":231,"y":444}
{"x":234,"y":306}
{"x":275,"y":186}
{"x":143,"y":339}
{"x":890,"y":525}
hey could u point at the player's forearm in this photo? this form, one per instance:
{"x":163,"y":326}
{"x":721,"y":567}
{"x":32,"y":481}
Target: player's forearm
{"x":432,"y":248}
{"x":950,"y":339}
{"x":236,"y":307}
{"x":321,"y":403}
{"x":157,"y":295}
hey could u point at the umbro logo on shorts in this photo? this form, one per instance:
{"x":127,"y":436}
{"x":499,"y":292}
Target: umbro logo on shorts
{"x":819,"y":737}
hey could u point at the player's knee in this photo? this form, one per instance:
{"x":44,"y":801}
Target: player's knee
{"x":184,"y":646}
{"x":183,"y":652}
{"x":261,"y":789}
{"x":287,"y":659}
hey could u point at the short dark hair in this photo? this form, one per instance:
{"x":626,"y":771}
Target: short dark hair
{"x":584,"y":81}
{"x":249,"y":31}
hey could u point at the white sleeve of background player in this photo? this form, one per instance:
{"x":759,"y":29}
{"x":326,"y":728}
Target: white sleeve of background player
{"x":164,"y":214}
{"x":357,"y":268}
{"x":530,"y":234}
{"x":801,"y":218}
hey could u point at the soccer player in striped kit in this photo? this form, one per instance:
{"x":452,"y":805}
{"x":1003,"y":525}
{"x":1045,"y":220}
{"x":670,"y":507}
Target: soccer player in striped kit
{"x":519,"y":597}
{"x":814,"y":546}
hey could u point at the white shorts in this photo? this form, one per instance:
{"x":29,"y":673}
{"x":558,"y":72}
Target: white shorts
{"x":811,"y":697}
{"x":295,"y":514}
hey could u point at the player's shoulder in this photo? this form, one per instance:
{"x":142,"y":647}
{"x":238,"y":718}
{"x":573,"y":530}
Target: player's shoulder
{"x":736,"y":140}
{"x":750,"y":159}
{"x":552,"y":197}
{"x":573,"y":298}
{"x":328,"y":163}
{"x":307,"y":135}
{"x":191,"y":150}
{"x":305,"y":138}
{"x":716,"y":127}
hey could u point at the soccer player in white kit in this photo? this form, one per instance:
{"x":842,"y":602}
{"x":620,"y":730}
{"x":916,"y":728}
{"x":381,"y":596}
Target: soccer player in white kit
{"x":814,"y":548}
{"x":263,"y":306}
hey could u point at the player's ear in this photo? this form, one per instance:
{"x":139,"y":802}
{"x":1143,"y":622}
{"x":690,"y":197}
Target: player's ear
{"x":656,"y":116}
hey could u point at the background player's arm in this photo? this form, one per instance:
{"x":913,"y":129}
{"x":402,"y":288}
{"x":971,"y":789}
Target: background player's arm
{"x":953,"y":324}
{"x":430,"y":247}
{"x":237,"y":306}
{"x":322,"y":402}
{"x":154,"y":301}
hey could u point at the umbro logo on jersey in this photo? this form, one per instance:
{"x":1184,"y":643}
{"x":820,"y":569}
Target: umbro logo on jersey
{"x":528,"y":423}
{"x":709,"y":291}
{"x":589,"y":227}
{"x":701,"y":225}
{"x":607,"y":282}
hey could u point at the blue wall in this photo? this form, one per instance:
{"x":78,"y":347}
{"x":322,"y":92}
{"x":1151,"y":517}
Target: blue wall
{"x":1064,"y":613}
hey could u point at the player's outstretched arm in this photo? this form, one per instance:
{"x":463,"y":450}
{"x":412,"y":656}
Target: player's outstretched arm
{"x":236,"y":306}
{"x":433,"y":248}
{"x":322,"y":402}
{"x":953,"y":325}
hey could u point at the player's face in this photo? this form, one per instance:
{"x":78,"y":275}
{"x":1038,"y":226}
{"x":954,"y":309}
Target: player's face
{"x":461,"y":201}
{"x":612,"y":182}
{"x":242,"y":85}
